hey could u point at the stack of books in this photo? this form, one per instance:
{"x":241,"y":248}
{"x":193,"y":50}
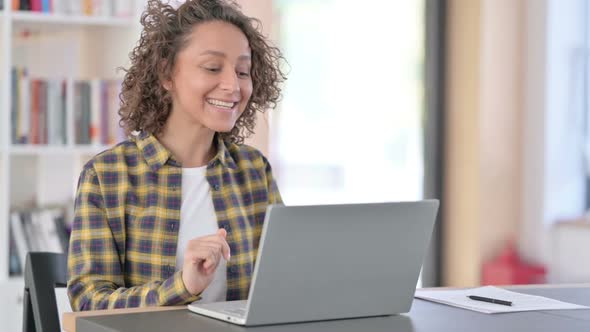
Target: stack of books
{"x":96,"y":107}
{"x":42,"y":229}
{"x":39,"y":110}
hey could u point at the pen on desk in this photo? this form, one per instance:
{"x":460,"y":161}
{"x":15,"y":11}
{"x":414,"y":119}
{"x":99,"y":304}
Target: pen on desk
{"x":489,"y":299}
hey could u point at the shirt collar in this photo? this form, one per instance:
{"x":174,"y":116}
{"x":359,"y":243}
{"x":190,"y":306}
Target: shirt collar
{"x":223,"y":155}
{"x":156,"y":155}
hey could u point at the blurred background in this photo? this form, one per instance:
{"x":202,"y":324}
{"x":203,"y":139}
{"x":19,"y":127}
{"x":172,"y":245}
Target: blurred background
{"x":483,"y":104}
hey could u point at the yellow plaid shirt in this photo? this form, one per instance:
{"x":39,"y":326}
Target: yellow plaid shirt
{"x":123,"y":244}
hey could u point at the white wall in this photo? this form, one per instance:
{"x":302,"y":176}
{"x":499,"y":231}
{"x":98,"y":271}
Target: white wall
{"x":552,"y":173}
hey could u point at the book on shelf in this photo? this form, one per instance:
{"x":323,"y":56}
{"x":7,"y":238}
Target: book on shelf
{"x":39,"y":110}
{"x":96,"y":107}
{"x":39,"y":229}
{"x":105,"y":8}
{"x":21,"y":5}
{"x":14,"y":263}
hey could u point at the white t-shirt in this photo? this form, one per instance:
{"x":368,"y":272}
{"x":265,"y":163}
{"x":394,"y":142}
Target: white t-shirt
{"x":197,"y":219}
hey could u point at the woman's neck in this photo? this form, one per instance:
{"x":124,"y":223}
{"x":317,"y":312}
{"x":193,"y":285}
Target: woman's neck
{"x":192,"y":147}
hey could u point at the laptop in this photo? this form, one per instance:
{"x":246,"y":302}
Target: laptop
{"x":333,"y":261}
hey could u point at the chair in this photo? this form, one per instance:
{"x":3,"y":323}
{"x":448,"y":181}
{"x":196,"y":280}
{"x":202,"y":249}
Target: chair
{"x":43,"y":272}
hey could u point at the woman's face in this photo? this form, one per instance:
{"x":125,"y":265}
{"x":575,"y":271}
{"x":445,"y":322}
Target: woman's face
{"x":211,"y":82}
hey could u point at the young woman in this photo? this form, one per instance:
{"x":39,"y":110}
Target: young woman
{"x":174,"y":214}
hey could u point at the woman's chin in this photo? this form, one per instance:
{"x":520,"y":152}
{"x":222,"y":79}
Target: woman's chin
{"x":223,"y":128}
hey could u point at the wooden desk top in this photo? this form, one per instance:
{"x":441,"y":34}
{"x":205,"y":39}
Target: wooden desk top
{"x":69,"y":319}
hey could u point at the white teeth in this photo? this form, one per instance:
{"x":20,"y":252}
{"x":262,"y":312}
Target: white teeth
{"x":220,"y":103}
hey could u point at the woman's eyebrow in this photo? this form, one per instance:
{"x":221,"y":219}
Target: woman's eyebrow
{"x":223,"y":55}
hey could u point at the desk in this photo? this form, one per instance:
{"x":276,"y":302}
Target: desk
{"x":424,"y":317}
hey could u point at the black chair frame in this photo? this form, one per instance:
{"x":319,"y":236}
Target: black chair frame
{"x":44,"y":271}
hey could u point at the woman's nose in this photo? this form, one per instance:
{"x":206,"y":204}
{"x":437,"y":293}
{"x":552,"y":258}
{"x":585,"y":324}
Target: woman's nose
{"x":229,"y":81}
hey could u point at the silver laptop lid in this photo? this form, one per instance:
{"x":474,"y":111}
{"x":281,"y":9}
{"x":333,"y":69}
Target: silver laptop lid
{"x":339,"y":261}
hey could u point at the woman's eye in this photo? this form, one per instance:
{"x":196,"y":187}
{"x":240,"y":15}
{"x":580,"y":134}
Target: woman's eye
{"x":212,"y":69}
{"x":243,"y":74}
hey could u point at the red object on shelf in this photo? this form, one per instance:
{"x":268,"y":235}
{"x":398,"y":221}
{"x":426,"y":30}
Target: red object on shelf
{"x":508,"y":269}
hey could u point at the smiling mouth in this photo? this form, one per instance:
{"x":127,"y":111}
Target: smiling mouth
{"x":222,"y":104}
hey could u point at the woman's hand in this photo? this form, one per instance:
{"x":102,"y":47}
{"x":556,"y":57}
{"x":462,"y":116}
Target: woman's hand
{"x":201,"y":257}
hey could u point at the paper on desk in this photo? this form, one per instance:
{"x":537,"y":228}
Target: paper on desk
{"x":520,"y":302}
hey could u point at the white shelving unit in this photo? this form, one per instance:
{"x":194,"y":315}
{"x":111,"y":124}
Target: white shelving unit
{"x":39,"y":173}
{"x":24,"y":18}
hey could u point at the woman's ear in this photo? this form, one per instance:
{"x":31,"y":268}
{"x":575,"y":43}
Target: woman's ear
{"x":167,"y":84}
{"x":164,"y":76}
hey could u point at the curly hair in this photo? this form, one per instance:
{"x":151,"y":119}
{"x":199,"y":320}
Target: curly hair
{"x":146,"y":105}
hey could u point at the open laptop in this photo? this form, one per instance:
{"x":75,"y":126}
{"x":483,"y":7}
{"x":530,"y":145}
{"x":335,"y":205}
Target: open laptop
{"x":333,"y":261}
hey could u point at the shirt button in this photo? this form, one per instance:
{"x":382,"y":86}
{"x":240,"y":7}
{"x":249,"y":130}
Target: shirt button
{"x":171,"y":227}
{"x":215,"y":187}
{"x":174,"y":188}
{"x":233,"y":269}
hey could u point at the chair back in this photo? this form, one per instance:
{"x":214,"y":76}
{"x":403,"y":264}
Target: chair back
{"x":44,"y":271}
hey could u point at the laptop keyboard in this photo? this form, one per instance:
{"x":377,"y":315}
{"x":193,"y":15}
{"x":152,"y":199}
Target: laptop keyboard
{"x":235,"y":309}
{"x":241,"y":313}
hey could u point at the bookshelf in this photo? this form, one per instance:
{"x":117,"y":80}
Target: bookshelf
{"x":68,"y":47}
{"x":58,"y":21}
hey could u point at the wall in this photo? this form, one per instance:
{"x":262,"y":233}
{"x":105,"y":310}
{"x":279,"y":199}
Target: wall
{"x":553,"y":170}
{"x":501,"y":123}
{"x":262,"y":10}
{"x":462,"y":178}
{"x":484,"y":117}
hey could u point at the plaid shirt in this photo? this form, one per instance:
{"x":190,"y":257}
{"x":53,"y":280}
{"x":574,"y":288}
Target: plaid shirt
{"x":127,"y":212}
